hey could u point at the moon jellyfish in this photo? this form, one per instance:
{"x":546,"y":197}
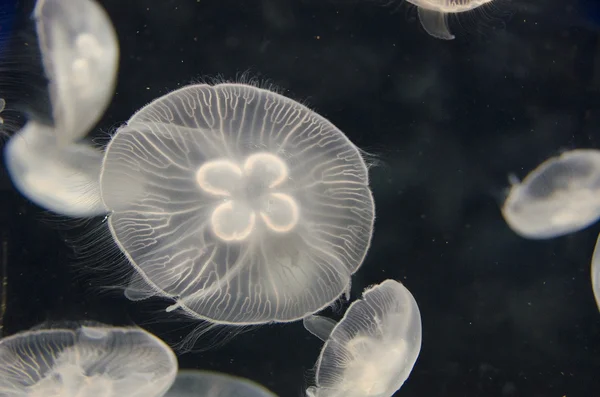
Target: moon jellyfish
{"x":561,"y":196}
{"x":80,"y":53}
{"x":373,"y":349}
{"x":433,"y":14}
{"x":191,"y":383}
{"x":47,"y":163}
{"x":86,"y":362}
{"x":240,"y":204}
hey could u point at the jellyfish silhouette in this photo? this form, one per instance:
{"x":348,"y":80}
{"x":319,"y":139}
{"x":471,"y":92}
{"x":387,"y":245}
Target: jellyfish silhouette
{"x":240,"y":204}
{"x":89,"y":361}
{"x":192,"y":383}
{"x":47,"y":163}
{"x":561,"y":196}
{"x":433,"y":14}
{"x":373,"y":349}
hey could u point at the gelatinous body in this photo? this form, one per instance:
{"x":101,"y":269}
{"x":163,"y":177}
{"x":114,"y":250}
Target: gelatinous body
{"x":86,"y":362}
{"x":433,"y":14}
{"x":241,"y":204}
{"x":80,"y":54}
{"x":596,"y":272}
{"x":373,"y":349}
{"x":560,"y":196}
{"x":47,"y":163}
{"x":213,"y":384}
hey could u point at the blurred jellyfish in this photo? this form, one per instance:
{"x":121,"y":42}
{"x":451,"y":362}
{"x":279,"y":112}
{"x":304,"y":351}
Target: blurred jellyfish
{"x":433,"y":14}
{"x":86,"y":362}
{"x":80,"y":55}
{"x":561,"y":196}
{"x":2,"y":106}
{"x":191,"y":383}
{"x":46,"y":163}
{"x":596,"y":272}
{"x":242,"y":205}
{"x":373,"y":349}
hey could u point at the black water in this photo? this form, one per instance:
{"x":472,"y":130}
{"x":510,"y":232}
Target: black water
{"x":447,"y":121}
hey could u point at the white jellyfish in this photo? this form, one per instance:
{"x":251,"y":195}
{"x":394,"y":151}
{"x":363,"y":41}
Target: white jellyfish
{"x":242,"y":205}
{"x":191,"y":383}
{"x":433,"y":14}
{"x":373,"y":349}
{"x":560,"y":196}
{"x":90,"y":361}
{"x":80,"y":53}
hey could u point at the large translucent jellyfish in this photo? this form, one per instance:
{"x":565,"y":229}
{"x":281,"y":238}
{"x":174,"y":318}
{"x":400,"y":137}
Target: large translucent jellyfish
{"x":433,"y":14}
{"x":242,"y":205}
{"x":191,"y":383}
{"x":47,"y":163}
{"x":373,"y":349}
{"x":90,"y":361}
{"x":560,"y":196}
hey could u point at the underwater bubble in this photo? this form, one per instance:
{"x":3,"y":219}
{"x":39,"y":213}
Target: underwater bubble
{"x":433,"y":14}
{"x":85,"y":362}
{"x":80,"y":53}
{"x":561,"y":196}
{"x":242,"y":205}
{"x":191,"y":383}
{"x":373,"y":348}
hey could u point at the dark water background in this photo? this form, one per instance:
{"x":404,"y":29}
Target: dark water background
{"x":448,"y":121}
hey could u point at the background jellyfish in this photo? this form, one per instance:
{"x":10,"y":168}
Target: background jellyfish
{"x":242,"y":205}
{"x":596,"y":272}
{"x":88,"y":361}
{"x":433,"y":14}
{"x":213,"y":384}
{"x":560,"y":196}
{"x":373,"y":349}
{"x":80,"y":52}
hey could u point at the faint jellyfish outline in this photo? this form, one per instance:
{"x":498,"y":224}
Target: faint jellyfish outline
{"x":558,"y":197}
{"x":86,"y":361}
{"x":276,"y":150}
{"x":372,"y":350}
{"x":193,"y":383}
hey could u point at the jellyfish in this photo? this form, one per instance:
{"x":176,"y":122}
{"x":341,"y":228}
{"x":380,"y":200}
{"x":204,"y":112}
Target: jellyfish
{"x":372,"y":349}
{"x":241,"y":205}
{"x":561,"y":196}
{"x":433,"y":14}
{"x":193,"y":383}
{"x":89,"y":361}
{"x":50,"y":164}
{"x":596,"y":272}
{"x":2,"y":106}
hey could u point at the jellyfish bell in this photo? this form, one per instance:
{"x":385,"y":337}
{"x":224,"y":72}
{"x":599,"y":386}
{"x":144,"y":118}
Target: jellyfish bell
{"x":240,"y":204}
{"x":80,"y":54}
{"x":194,"y":383}
{"x":560,"y":196}
{"x":372,"y":350}
{"x":595,"y":271}
{"x":64,"y":180}
{"x":87,"y":361}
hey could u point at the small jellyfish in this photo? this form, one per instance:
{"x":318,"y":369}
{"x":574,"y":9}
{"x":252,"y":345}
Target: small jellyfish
{"x":80,"y":53}
{"x":191,"y":383}
{"x":433,"y":14}
{"x":561,"y":196}
{"x":62,"y":179}
{"x":373,"y":348}
{"x":2,"y":106}
{"x":242,"y":205}
{"x":49,"y":164}
{"x":596,"y":272}
{"x":90,"y":361}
